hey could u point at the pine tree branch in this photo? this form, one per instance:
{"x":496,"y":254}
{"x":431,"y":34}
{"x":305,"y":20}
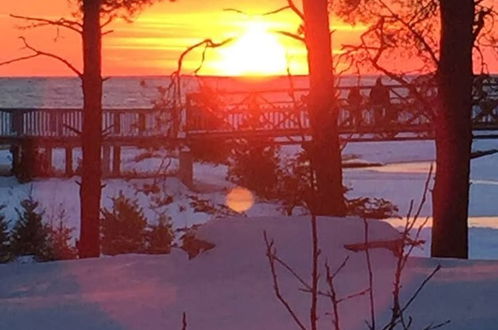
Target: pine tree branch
{"x":418,"y":36}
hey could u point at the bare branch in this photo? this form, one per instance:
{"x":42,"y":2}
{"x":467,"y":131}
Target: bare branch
{"x":437,"y":326}
{"x":354,"y":295}
{"x":270,"y":252}
{"x":480,"y":21}
{"x":107,"y":22}
{"x":272,"y":12}
{"x":293,"y":272}
{"x":42,"y":53}
{"x":19,"y":59}
{"x":419,"y":289}
{"x":209,"y":43}
{"x":184,"y":321}
{"x":74,"y":130}
{"x":61,"y":22}
{"x":238,"y":11}
{"x":370,"y":277}
{"x":276,"y":11}
{"x":333,"y":295}
{"x":176,"y":76}
{"x":314,"y":272}
{"x":291,"y":35}
{"x":414,"y":32}
{"x":294,"y":8}
{"x":290,"y":6}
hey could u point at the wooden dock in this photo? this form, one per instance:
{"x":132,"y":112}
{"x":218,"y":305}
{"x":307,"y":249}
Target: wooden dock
{"x":278,"y":114}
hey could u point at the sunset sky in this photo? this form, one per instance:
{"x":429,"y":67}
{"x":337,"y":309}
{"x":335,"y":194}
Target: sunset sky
{"x":153,"y":42}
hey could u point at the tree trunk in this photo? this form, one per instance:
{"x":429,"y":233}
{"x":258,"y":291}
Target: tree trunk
{"x":325,"y":148}
{"x":453,"y":130}
{"x":90,"y":191}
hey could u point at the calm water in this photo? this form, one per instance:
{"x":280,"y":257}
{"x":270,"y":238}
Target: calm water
{"x":129,"y":92}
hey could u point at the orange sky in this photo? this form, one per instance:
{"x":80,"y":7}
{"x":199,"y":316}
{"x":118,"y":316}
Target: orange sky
{"x":152,"y":43}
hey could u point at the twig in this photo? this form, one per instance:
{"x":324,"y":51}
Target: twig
{"x":290,"y":6}
{"x":184,"y":321}
{"x":370,"y":277}
{"x":292,"y":36}
{"x":419,"y":289}
{"x":42,"y":53}
{"x":333,"y":296}
{"x":314,"y":273}
{"x":270,"y":252}
{"x":306,"y":286}
{"x":71,"y":128}
{"x":61,"y":22}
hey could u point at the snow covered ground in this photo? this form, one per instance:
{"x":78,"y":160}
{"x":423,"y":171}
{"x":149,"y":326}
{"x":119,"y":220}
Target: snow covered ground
{"x":230,"y":286}
{"x":400,"y":180}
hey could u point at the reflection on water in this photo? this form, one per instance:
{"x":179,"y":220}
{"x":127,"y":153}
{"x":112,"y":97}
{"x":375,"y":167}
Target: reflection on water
{"x":411,"y":167}
{"x":420,"y":168}
{"x":476,"y":222}
{"x":487,"y":182}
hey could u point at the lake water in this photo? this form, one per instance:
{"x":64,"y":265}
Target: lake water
{"x":131,"y":92}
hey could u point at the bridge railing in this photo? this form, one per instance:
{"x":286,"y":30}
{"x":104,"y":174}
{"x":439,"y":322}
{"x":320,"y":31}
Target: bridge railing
{"x":281,"y":110}
{"x":277,"y":112}
{"x":67,"y":123}
{"x":285,"y":110}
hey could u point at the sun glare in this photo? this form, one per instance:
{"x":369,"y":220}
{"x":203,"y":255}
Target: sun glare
{"x":257,"y":52}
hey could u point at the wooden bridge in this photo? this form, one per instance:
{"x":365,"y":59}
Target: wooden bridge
{"x":281,"y":115}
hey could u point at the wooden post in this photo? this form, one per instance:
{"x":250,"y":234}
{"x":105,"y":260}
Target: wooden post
{"x":116,"y":161}
{"x":141,"y":123}
{"x":117,"y":122}
{"x":69,"y":161}
{"x":60,"y":123}
{"x":15,"y":150}
{"x":49,"y":156}
{"x":186,"y":171}
{"x":16,"y":123}
{"x":106,"y":159}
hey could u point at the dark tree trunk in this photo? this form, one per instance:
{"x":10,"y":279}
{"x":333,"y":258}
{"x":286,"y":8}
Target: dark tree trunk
{"x":453,"y":130}
{"x":325,"y":148}
{"x":90,"y":191}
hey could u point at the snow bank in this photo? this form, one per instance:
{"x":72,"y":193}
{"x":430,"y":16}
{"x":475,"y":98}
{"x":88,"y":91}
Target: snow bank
{"x":230,"y":286}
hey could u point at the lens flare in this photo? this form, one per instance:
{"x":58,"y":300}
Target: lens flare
{"x":239,"y":199}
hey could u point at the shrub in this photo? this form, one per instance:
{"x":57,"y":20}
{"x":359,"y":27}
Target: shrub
{"x":4,"y":238}
{"x":372,"y":208}
{"x":194,"y":245}
{"x":123,"y":227}
{"x":29,"y":235}
{"x":255,"y":165}
{"x":211,"y":150}
{"x":294,"y":184}
{"x":58,"y":243}
{"x":202,"y":205}
{"x":160,"y":236}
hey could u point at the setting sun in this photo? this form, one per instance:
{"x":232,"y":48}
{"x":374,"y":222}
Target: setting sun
{"x":256,"y":52}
